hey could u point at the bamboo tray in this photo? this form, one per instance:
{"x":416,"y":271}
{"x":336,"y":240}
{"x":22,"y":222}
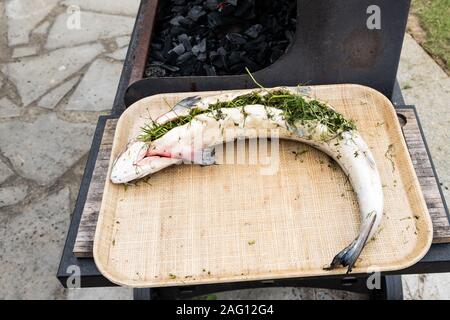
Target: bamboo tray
{"x":197,"y":225}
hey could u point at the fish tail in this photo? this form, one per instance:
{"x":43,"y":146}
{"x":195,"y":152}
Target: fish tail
{"x":349,"y":255}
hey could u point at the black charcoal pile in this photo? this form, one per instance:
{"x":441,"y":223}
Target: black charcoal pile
{"x":213,"y":37}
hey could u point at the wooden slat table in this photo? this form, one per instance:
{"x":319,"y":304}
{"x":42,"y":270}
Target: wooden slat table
{"x":412,"y":132}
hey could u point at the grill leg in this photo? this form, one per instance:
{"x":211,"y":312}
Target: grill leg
{"x":391,"y":289}
{"x":144,"y":294}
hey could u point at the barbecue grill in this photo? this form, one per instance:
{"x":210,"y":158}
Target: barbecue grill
{"x":334,"y":43}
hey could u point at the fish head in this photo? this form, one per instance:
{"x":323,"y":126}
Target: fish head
{"x":127,"y":166}
{"x":139,"y":160}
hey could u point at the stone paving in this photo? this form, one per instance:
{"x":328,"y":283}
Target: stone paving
{"x":57,"y":75}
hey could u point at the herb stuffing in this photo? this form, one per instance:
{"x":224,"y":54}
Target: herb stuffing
{"x":296,"y":109}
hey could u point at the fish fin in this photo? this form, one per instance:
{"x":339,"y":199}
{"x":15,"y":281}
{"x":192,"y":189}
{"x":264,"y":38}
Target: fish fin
{"x":187,"y":103}
{"x":208,"y":157}
{"x":349,"y":255}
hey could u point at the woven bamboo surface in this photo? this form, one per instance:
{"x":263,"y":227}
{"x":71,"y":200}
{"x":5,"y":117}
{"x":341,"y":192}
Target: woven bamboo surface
{"x":196,"y":225}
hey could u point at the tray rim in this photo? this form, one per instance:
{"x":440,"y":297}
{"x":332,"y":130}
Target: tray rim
{"x":286,"y":275}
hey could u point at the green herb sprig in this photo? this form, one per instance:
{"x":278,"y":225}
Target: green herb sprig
{"x":296,"y":110}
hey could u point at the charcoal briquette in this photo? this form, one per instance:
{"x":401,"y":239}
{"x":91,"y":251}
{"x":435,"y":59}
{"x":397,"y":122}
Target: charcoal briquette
{"x":210,"y":70}
{"x":236,"y":38}
{"x":176,"y":20}
{"x":184,"y":57}
{"x":184,"y":39}
{"x":254,"y":30}
{"x":155,"y":71}
{"x":211,"y":4}
{"x":196,"y":13}
{"x":179,"y":49}
{"x":200,"y":47}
